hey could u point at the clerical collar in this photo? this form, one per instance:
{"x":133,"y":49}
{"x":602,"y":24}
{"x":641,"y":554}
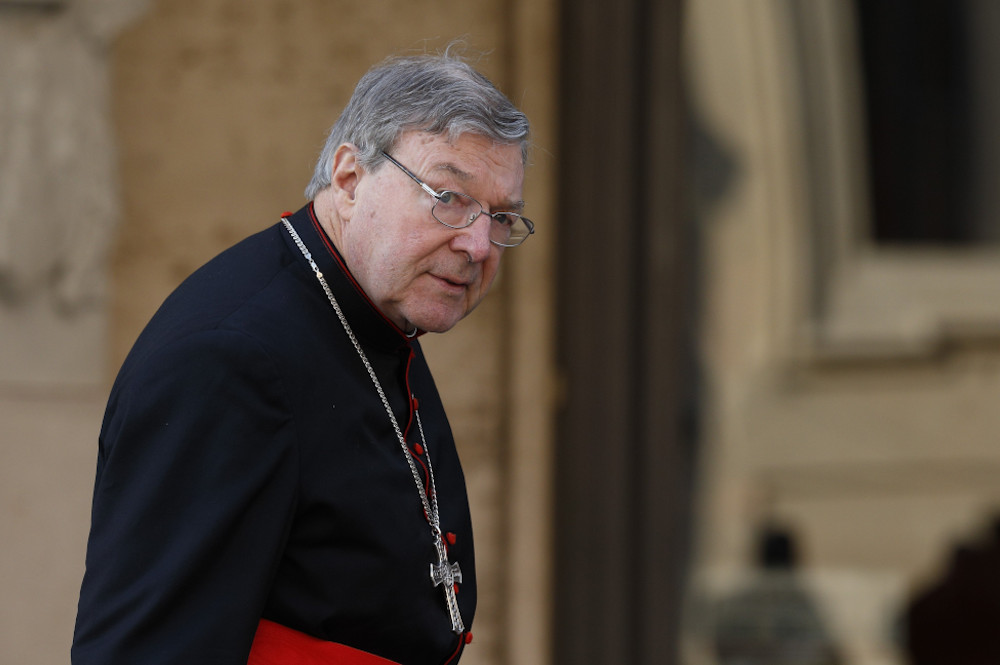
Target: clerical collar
{"x":368,"y":322}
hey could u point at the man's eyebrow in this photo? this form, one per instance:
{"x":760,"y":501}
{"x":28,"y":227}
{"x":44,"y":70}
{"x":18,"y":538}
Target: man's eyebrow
{"x":453,"y":170}
{"x":506,"y":206}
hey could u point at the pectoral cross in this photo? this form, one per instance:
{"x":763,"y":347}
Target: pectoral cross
{"x":448,"y":573}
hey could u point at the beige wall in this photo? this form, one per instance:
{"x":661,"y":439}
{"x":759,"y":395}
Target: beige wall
{"x":220,"y":109}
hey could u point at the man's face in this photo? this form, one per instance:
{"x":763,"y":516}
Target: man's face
{"x":417,"y":271}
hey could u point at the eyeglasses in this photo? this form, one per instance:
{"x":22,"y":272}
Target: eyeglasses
{"x":458,"y":211}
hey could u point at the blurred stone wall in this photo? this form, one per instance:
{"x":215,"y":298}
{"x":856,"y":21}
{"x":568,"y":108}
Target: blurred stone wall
{"x":851,"y":388}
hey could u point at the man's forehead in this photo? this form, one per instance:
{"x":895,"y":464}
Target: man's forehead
{"x":442,"y":147}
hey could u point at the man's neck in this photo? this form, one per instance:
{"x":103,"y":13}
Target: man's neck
{"x":326,"y":214}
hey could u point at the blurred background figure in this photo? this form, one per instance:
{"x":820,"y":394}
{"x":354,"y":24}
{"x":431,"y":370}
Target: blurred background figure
{"x":773,"y":619}
{"x":954,"y":620}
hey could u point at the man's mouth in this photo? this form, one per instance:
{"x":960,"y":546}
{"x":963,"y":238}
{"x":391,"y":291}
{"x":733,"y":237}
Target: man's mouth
{"x":452,"y":283}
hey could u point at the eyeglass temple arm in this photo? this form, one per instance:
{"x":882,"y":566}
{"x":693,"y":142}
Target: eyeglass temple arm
{"x":423,"y":185}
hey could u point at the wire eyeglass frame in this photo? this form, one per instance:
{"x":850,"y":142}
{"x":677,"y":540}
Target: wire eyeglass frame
{"x":513,"y":227}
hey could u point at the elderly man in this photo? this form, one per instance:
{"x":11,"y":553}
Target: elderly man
{"x":276,"y":479}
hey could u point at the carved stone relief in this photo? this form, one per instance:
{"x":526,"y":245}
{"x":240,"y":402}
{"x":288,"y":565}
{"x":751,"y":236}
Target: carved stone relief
{"x":58,"y":188}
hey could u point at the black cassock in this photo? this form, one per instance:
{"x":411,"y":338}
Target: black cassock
{"x":248,"y":470}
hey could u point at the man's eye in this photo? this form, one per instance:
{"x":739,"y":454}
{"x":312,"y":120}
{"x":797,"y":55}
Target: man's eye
{"x":503,"y":218}
{"x":446,"y":197}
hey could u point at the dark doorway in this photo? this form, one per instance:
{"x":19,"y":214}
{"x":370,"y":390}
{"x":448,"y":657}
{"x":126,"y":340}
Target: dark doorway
{"x":915,"y":59}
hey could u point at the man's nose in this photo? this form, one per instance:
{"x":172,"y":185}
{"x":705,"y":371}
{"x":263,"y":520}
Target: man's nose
{"x":474,"y":239}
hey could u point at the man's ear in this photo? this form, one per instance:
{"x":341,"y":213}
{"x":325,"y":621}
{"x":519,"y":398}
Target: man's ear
{"x":345,"y":174}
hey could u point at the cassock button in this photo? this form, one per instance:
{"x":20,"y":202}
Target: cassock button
{"x":468,"y":638}
{"x":452,"y":538}
{"x":416,"y":403}
{"x":455,"y":586}
{"x":418,"y":449}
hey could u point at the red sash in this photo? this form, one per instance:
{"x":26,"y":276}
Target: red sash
{"x":275,"y":644}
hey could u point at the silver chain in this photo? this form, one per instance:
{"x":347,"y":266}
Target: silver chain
{"x":430,"y":505}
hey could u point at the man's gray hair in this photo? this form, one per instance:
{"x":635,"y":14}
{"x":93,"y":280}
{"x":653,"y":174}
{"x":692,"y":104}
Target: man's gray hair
{"x":439,"y":94}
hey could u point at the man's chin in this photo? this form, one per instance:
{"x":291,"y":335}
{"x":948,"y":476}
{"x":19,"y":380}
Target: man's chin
{"x":437,"y":322}
{"x":437,"y":327}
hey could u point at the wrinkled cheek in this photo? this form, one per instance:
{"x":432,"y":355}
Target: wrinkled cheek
{"x":489,"y":274}
{"x":474,"y":299}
